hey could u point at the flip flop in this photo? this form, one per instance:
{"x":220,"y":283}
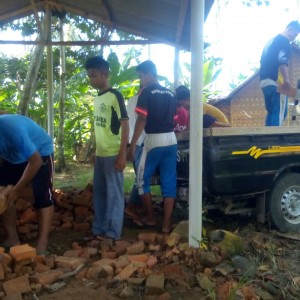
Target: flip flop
{"x":164,"y":231}
{"x":131,"y":214}
{"x":89,"y":237}
{"x":143,"y":224}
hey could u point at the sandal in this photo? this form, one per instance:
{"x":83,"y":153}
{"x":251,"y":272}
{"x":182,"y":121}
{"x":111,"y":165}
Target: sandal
{"x":166,"y":231}
{"x":89,"y":237}
{"x":143,"y":224}
{"x":130,"y":213}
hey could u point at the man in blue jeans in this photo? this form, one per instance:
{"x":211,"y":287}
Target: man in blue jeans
{"x":274,"y":70}
{"x":111,"y":133}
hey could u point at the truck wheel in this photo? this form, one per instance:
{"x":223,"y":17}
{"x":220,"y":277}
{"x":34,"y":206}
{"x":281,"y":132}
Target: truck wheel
{"x":284,"y":203}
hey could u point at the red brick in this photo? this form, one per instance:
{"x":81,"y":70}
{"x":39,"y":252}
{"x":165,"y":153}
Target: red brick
{"x":28,"y":216}
{"x":88,"y":252}
{"x":76,"y":246}
{"x":56,"y":223}
{"x":164,"y":296}
{"x":154,"y":247}
{"x":72,"y":253}
{"x":147,"y":237}
{"x":50,"y":261}
{"x":108,"y":254}
{"x":32,"y":226}
{"x":66,"y":225}
{"x":6,"y":258}
{"x":27,"y":194}
{"x":21,"y":204}
{"x":136,"y":281}
{"x":81,"y":211}
{"x":207,"y":271}
{"x":155,"y":284}
{"x":2,"y":275}
{"x":126,"y":272}
{"x":81,"y":226}
{"x":70,"y":263}
{"x":106,"y":245}
{"x":14,"y":296}
{"x":68,"y":218}
{"x":59,"y":195}
{"x":103,"y":262}
{"x":85,"y":198}
{"x":47,"y":277}
{"x":136,"y":248}
{"x":138,"y":258}
{"x":17,"y":285}
{"x":121,"y":262}
{"x":97,"y":267}
{"x":81,"y":274}
{"x":22,"y":252}
{"x":87,"y":195}
{"x":120,"y":247}
{"x":151,"y":262}
{"x":94,"y":244}
{"x":41,"y":268}
{"x":23,"y":229}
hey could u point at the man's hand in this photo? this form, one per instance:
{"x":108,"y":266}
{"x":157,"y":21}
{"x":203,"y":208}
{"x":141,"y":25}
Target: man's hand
{"x":13,"y":195}
{"x":130,"y":153}
{"x":287,"y":89}
{"x":120,"y":163}
{"x":286,"y":85}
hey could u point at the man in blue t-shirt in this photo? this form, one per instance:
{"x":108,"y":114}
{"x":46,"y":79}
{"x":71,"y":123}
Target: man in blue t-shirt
{"x":274,"y":71}
{"x":26,"y":155}
{"x":156,"y":109}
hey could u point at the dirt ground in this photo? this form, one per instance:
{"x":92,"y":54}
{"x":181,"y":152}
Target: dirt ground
{"x":276,"y":258}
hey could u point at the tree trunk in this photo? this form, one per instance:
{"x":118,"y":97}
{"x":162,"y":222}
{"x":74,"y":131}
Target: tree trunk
{"x":31,"y":76}
{"x":61,"y":163}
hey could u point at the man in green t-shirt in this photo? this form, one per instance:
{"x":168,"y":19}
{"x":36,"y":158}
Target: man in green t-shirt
{"x":111,"y":132}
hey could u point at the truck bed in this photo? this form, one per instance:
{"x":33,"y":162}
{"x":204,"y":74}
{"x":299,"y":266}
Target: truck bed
{"x":239,"y":161}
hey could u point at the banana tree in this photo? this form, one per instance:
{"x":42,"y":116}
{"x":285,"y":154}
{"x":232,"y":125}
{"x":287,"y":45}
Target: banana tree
{"x":211,"y":71}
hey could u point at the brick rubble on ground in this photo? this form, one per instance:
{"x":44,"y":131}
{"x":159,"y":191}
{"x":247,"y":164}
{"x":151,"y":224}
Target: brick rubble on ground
{"x":151,"y":263}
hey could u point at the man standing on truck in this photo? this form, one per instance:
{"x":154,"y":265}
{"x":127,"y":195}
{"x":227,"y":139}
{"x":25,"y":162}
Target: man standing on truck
{"x":156,"y":108}
{"x":274,"y":71}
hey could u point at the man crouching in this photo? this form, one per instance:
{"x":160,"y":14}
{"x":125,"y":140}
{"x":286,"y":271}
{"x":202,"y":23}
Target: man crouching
{"x":26,"y":152}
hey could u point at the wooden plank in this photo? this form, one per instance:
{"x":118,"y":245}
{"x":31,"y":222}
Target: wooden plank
{"x":233,"y":131}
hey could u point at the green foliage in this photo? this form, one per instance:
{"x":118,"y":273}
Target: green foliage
{"x":123,"y":75}
{"x":79,"y":95}
{"x":211,"y":71}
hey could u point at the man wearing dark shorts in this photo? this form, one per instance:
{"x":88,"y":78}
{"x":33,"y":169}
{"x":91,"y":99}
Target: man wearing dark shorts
{"x":156,"y":109}
{"x":26,"y":158}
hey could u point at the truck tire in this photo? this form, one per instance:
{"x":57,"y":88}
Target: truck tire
{"x":284,"y":203}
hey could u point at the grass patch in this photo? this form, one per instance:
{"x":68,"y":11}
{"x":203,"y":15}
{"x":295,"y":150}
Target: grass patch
{"x":78,"y":175}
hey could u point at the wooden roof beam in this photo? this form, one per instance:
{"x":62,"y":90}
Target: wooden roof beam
{"x":79,"y":43}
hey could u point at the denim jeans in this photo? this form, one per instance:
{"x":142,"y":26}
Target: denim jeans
{"x":108,"y":198}
{"x":276,"y":106}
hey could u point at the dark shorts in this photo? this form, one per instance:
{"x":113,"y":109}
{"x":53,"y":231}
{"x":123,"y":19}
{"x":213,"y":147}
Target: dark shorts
{"x":41,"y":182}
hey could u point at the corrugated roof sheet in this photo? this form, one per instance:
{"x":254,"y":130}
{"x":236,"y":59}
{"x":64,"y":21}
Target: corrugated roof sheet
{"x":166,"y":21}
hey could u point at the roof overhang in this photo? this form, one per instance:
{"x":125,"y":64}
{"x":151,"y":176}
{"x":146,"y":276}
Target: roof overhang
{"x":158,"y":21}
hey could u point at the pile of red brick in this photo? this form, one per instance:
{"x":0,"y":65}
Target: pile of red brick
{"x":73,"y":211}
{"x":143,"y":262}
